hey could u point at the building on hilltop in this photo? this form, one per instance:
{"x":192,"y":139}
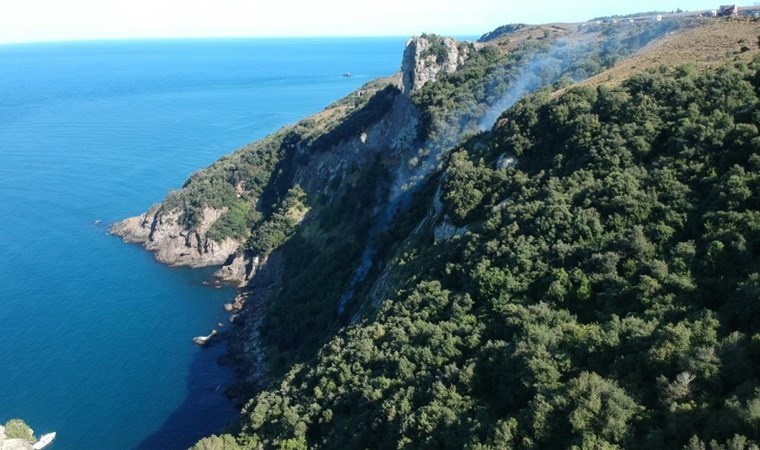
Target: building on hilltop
{"x":728,"y":11}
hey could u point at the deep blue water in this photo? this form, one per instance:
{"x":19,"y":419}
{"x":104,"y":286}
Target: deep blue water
{"x":94,"y":334}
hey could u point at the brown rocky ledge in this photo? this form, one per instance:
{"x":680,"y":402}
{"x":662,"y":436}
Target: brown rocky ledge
{"x":164,"y":234}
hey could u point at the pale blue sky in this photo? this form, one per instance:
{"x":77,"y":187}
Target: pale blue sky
{"x":52,"y":20}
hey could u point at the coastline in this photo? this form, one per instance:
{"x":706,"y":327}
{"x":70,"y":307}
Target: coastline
{"x":244,"y":312}
{"x":127,"y":321}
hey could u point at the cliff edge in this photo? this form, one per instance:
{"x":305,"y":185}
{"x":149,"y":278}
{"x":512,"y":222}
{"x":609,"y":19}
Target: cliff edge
{"x":428,"y":55}
{"x":175,"y":243}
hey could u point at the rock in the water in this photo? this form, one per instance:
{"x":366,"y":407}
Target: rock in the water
{"x":203,"y":340}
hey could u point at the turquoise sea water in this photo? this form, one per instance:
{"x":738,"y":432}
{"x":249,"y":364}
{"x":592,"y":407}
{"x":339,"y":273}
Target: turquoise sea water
{"x":94,"y":334}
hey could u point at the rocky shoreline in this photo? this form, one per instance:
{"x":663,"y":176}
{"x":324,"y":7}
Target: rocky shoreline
{"x":174,"y":245}
{"x":244,"y":351}
{"x":163,"y":233}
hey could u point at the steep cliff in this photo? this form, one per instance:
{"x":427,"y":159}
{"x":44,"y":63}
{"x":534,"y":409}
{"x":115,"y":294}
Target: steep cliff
{"x":361,"y":179}
{"x":427,"y":56}
{"x":207,"y":222}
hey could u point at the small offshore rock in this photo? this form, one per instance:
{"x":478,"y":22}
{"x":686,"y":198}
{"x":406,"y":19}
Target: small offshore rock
{"x":203,"y":340}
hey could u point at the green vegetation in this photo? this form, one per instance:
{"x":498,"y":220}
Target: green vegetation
{"x":236,"y":222}
{"x":501,"y":31}
{"x":319,"y":259}
{"x":600,"y":292}
{"x":457,"y":102}
{"x":18,"y":429}
{"x":250,"y":182}
{"x":250,"y":168}
{"x":437,"y":48}
{"x":605,"y":294}
{"x":224,"y":442}
{"x":269,"y":234}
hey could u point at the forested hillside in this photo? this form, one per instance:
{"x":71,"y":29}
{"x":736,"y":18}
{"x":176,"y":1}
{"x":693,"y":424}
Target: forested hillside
{"x":601,"y":288}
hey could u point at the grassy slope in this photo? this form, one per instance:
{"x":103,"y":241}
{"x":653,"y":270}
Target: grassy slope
{"x":709,"y":45}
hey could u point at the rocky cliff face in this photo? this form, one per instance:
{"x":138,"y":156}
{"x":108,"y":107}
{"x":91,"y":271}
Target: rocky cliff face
{"x":426,"y":56}
{"x":163,"y":233}
{"x":393,"y":134}
{"x":240,"y":270}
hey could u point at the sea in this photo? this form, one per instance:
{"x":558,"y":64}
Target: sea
{"x":95,"y":335}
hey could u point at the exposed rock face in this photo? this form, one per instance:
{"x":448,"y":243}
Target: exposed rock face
{"x":392,"y":135}
{"x":164,"y":234}
{"x":445,"y":231}
{"x":426,"y":56}
{"x":12,"y":444}
{"x":15,"y":444}
{"x":506,"y":161}
{"x":240,"y":270}
{"x":245,"y":345}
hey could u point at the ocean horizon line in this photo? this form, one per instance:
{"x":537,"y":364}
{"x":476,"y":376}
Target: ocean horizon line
{"x":462,"y":36}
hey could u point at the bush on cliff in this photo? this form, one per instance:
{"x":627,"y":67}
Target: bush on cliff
{"x":18,"y":429}
{"x":223,"y":442}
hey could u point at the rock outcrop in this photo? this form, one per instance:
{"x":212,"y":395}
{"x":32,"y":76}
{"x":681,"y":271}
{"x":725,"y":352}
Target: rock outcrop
{"x":163,"y":233}
{"x":203,"y":340}
{"x":13,"y":444}
{"x":240,"y":270}
{"x":428,"y":55}
{"x":245,"y":345}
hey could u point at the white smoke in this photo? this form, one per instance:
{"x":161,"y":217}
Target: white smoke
{"x":542,"y":69}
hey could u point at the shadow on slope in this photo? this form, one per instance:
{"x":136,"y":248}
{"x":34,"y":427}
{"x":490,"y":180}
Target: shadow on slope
{"x":205,"y":409}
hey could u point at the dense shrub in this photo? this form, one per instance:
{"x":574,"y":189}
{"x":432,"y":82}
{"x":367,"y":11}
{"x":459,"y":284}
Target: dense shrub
{"x":18,"y":429}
